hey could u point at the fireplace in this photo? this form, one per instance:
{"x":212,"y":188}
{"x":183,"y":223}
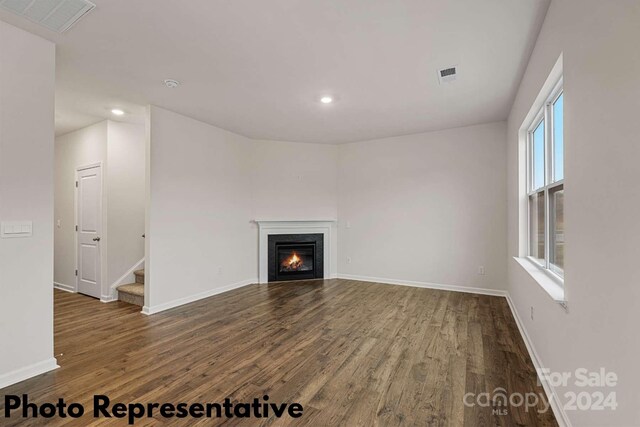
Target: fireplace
{"x":295,"y":257}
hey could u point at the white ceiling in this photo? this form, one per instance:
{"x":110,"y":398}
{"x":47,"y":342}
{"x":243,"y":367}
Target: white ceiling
{"x":258,"y":67}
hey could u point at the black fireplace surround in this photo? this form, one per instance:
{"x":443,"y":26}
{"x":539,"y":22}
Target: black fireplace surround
{"x":295,"y":257}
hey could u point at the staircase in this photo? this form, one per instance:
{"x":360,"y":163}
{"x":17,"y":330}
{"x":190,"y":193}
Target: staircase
{"x":133,"y":293}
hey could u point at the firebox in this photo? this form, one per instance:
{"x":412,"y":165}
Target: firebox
{"x":295,"y":257}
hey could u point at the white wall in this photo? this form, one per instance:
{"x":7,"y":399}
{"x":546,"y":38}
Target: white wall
{"x":294,"y":181}
{"x":602,"y":202}
{"x":76,"y":149}
{"x":27,"y":70}
{"x":200,"y":236}
{"x":425,"y":208}
{"x":125,"y":198}
{"x":120,"y":147}
{"x":207,"y":185}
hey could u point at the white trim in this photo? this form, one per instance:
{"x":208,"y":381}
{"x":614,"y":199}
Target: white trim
{"x":127,"y":275}
{"x":549,"y":281}
{"x":552,"y":396}
{"x":108,"y":298}
{"x":103,"y":222}
{"x":89,"y":166}
{"x":276,"y":221}
{"x":270,"y":227}
{"x":428,"y":285}
{"x":27,"y":372}
{"x":126,"y":278}
{"x":542,"y":111}
{"x":63,"y":287}
{"x":186,"y":300}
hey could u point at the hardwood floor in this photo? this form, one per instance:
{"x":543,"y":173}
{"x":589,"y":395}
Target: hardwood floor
{"x":352,"y":353}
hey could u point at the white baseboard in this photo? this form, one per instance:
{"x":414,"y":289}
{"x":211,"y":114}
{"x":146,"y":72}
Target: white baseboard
{"x":560,"y":414}
{"x":27,"y":372}
{"x":552,"y":396}
{"x":192,"y":298}
{"x":63,"y":287}
{"x":428,"y":285}
{"x":108,"y":298}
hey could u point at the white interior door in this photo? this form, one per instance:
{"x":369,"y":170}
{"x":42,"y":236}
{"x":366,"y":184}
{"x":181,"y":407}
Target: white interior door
{"x":89,"y":230}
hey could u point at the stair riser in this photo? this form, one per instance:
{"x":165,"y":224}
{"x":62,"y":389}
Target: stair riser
{"x":139,"y":278}
{"x":131,"y":299}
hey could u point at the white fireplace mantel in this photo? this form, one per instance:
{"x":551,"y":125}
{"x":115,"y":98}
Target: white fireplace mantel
{"x":325,"y":226}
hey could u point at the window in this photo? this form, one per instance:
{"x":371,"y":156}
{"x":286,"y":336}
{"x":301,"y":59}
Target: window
{"x":545,"y":185}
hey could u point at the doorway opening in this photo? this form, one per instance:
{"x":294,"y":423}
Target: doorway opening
{"x":100,"y":197}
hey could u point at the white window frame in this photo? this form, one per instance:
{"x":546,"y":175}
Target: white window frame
{"x":546,"y":114}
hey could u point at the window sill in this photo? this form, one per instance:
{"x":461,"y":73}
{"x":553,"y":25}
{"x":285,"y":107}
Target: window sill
{"x":552,"y":285}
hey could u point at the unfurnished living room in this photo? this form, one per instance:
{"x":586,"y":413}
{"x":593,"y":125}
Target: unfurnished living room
{"x":320,"y":213}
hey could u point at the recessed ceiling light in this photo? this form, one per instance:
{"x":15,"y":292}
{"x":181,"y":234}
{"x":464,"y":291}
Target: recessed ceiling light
{"x":171,"y":83}
{"x":117,"y":112}
{"x":326,"y":99}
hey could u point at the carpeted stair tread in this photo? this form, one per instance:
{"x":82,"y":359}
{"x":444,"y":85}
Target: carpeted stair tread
{"x":132,"y":288}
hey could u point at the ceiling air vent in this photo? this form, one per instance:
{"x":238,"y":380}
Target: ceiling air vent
{"x":447,"y":75}
{"x":56,"y":15}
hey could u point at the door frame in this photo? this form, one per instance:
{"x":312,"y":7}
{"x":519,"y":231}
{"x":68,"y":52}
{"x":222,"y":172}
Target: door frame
{"x":75,"y":220}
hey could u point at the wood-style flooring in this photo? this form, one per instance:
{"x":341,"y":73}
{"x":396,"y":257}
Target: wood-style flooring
{"x":352,"y":353}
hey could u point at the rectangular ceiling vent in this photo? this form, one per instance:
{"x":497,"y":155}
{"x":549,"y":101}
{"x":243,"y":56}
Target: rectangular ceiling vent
{"x":447,"y":75}
{"x":56,"y":15}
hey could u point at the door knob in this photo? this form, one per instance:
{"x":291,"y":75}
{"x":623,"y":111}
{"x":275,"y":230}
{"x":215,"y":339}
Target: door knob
{"x":96,"y":239}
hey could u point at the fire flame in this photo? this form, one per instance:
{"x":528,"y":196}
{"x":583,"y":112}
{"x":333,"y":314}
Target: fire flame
{"x":294,"y":262}
{"x":294,"y":259}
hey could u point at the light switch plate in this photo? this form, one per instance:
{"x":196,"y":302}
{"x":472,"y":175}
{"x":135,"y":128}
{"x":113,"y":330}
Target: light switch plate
{"x":9,"y":229}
